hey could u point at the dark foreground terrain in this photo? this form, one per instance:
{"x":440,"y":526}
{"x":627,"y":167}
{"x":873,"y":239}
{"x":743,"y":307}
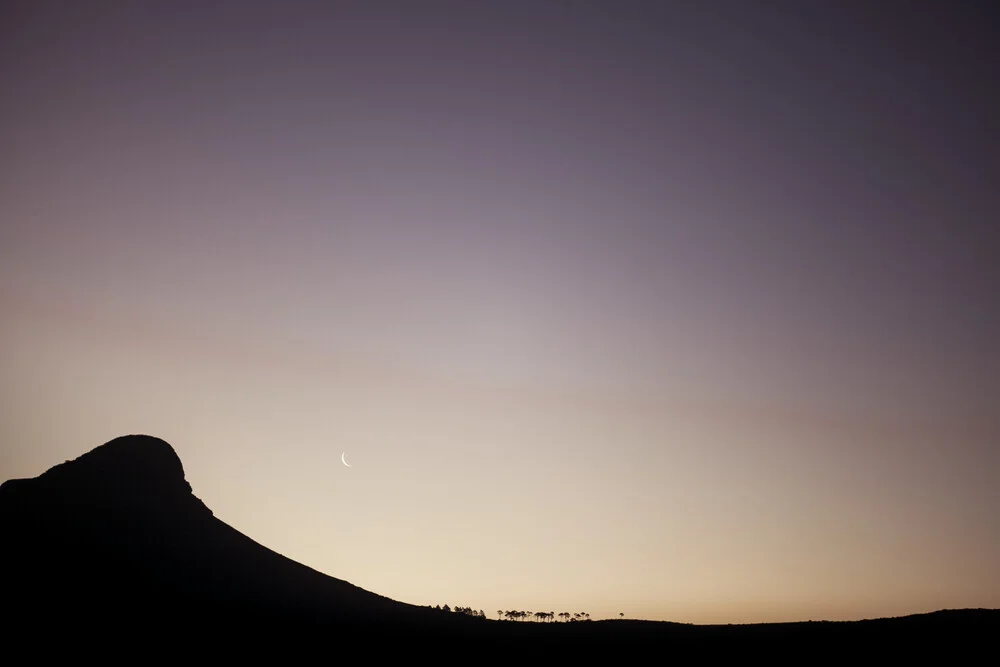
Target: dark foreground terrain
{"x":112,"y":551}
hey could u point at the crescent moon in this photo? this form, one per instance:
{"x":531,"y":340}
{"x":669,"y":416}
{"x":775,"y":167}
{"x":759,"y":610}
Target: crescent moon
{"x":344,"y":460}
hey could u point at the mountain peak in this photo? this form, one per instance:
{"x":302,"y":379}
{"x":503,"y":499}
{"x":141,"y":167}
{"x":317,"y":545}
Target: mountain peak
{"x":141,"y":470}
{"x":128,"y":463}
{"x":118,"y":534}
{"x":136,"y":455}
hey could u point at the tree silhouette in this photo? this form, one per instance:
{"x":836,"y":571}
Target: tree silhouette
{"x":521,"y":615}
{"x":468,"y":611}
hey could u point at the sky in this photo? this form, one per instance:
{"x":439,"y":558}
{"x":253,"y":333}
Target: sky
{"x":680,"y":310}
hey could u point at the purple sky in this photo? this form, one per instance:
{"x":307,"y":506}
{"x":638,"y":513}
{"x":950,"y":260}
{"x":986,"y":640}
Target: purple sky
{"x":686,"y":310}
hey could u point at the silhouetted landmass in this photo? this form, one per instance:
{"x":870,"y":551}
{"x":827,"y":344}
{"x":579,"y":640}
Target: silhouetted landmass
{"x":113,"y":549}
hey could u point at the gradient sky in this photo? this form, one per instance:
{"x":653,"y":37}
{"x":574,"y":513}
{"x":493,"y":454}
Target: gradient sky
{"x":686,"y":310}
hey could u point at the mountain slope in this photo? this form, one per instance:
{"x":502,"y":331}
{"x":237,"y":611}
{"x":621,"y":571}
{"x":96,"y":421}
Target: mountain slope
{"x":114,"y":549}
{"x":117,"y":535}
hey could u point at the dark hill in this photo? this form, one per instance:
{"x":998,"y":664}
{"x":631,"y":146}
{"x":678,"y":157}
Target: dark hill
{"x":113,"y":550}
{"x":116,"y":538}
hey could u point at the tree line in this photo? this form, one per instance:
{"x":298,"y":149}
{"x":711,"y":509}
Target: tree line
{"x":541,"y":616}
{"x":518,"y":615}
{"x":468,"y":611}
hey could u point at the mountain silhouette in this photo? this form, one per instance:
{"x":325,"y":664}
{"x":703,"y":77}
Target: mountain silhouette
{"x":114,"y":549}
{"x":117,"y":538}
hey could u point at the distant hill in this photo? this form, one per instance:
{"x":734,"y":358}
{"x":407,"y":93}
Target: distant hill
{"x":116,"y":541}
